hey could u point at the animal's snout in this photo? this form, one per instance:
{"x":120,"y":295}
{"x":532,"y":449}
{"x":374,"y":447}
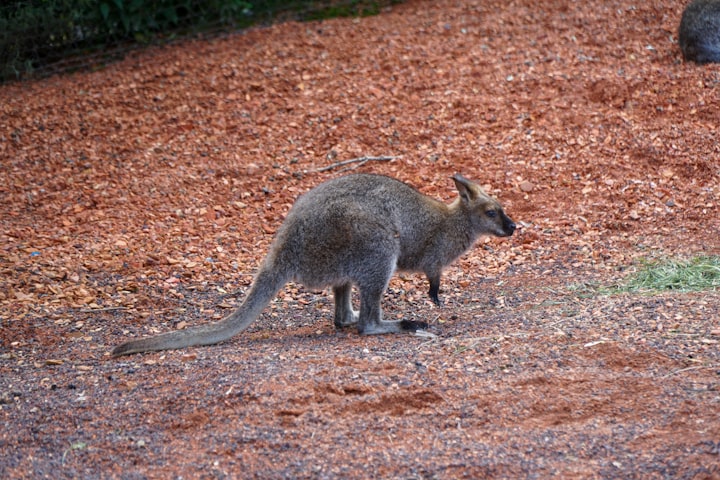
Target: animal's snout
{"x":508,"y":225}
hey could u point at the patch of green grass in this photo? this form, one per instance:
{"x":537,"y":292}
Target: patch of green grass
{"x":695,"y":274}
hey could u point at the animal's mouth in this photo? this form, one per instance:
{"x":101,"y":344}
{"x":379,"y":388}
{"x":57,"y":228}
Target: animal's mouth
{"x":509,"y":230}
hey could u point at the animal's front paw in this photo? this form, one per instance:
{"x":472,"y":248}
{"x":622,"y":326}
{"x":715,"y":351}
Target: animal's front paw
{"x":434,"y":293}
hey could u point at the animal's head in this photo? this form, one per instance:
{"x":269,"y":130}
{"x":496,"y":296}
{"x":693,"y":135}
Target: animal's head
{"x":486,"y":214}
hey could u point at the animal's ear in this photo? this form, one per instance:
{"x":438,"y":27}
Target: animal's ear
{"x":465,"y":187}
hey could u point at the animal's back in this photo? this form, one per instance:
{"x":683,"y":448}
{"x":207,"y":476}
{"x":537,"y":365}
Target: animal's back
{"x":375,"y":193}
{"x":699,"y":32}
{"x":372,"y":196}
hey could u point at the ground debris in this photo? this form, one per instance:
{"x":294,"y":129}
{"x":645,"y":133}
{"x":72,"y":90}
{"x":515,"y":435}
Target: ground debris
{"x":135,"y":197}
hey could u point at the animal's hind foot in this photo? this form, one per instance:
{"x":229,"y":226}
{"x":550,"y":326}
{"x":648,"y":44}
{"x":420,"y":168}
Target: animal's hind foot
{"x":347,"y":320}
{"x":392,"y":327}
{"x":413,"y":325}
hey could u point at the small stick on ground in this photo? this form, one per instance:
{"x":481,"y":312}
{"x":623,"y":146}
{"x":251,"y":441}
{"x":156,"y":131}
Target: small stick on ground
{"x":106,"y":309}
{"x":360,"y":161}
{"x":698,"y":367}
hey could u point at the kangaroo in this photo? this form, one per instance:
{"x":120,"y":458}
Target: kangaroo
{"x":355,"y":230}
{"x":699,"y":33}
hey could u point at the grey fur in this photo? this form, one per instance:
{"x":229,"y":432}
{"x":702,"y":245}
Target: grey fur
{"x":699,"y":33}
{"x":355,"y":230}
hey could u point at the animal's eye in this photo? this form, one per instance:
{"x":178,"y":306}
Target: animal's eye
{"x":491,"y":213}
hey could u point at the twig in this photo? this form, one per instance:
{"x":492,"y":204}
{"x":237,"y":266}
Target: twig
{"x":106,"y":309}
{"x":699,"y":367}
{"x":360,"y":162}
{"x":548,"y":325}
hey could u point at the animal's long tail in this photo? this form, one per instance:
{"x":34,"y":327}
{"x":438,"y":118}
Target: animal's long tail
{"x":264,"y":288}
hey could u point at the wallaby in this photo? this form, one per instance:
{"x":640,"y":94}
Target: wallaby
{"x":699,"y":33}
{"x":355,"y":230}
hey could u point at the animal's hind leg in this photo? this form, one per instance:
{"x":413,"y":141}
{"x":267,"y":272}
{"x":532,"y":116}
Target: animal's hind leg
{"x":371,"y":322}
{"x":344,"y":313}
{"x":379,"y":254}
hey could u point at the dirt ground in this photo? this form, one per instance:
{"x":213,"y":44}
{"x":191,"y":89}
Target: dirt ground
{"x":140,"y":198}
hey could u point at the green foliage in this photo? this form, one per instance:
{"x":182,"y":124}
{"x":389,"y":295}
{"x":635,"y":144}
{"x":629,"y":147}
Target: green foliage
{"x":31,"y":29}
{"x":322,"y":9}
{"x":139,"y":19}
{"x":699,"y":273}
{"x":36,"y":33}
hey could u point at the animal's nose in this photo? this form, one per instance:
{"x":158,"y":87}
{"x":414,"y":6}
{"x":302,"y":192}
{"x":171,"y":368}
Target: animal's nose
{"x":508,"y":225}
